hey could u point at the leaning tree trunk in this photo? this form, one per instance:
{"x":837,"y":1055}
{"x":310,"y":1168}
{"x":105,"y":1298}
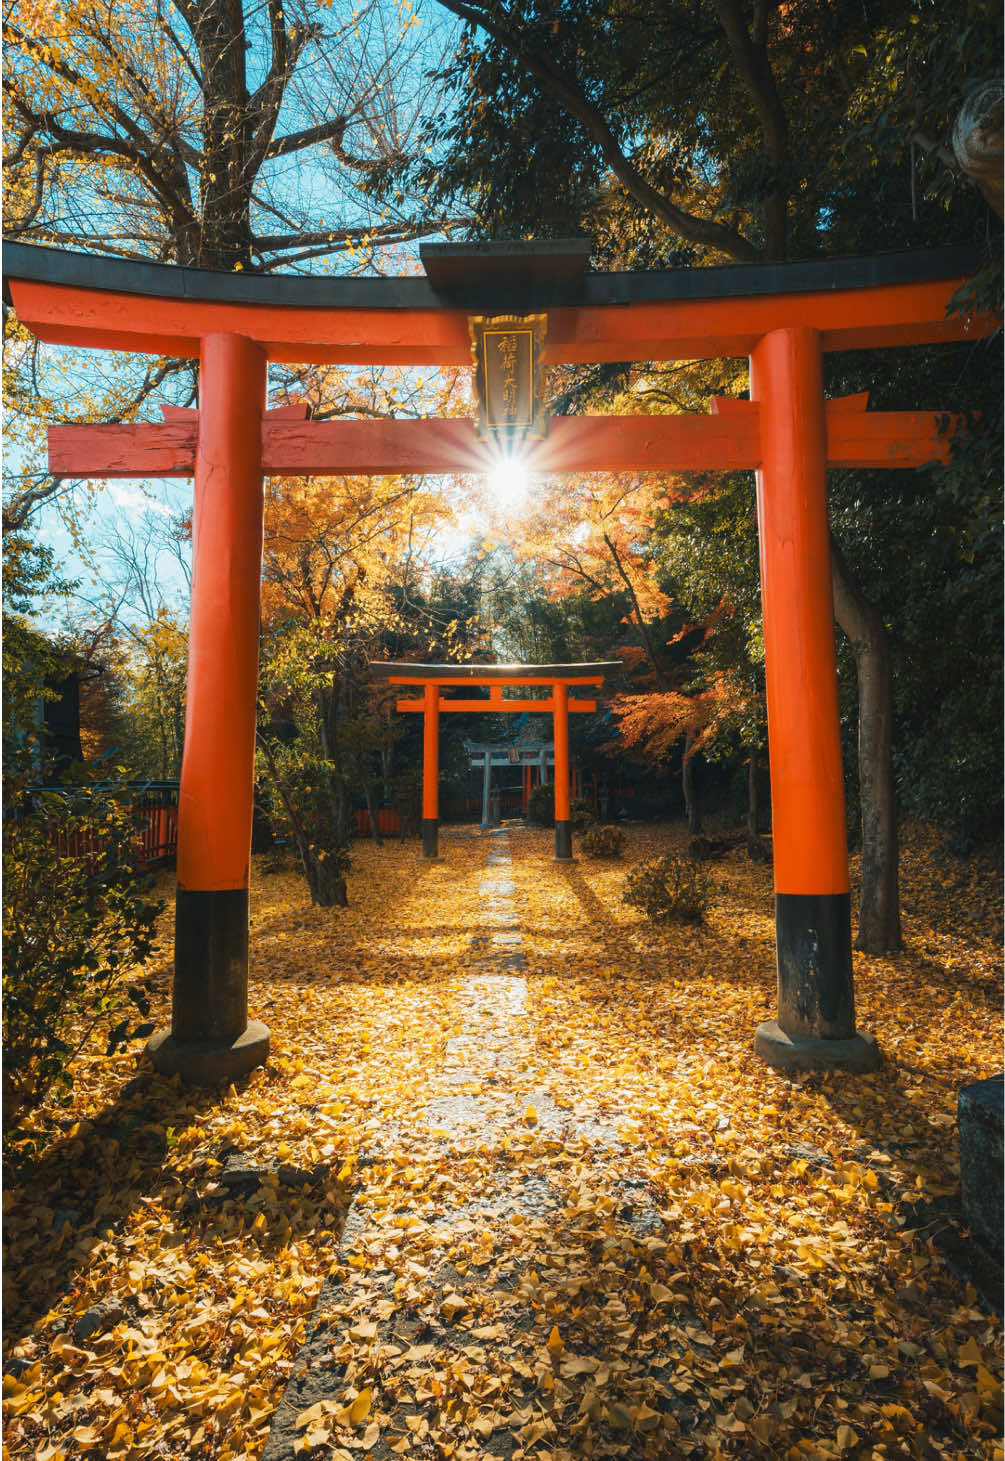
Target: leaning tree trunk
{"x":691,"y":806}
{"x":752,"y":805}
{"x":879,"y":901}
{"x":374,"y":829}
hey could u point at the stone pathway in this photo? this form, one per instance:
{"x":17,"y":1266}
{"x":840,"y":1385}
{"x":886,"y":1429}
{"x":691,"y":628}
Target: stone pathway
{"x":482,"y":1100}
{"x":495,"y":1002}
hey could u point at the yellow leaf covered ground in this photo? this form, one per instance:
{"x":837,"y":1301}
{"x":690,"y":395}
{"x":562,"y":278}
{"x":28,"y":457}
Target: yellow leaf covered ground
{"x":587,"y":1220}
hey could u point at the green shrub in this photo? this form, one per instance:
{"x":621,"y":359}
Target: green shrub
{"x":541,"y":805}
{"x":668,"y":889}
{"x":541,"y":809}
{"x":581,"y":815}
{"x":77,"y":923}
{"x":277,"y":859}
{"x":604,"y":842}
{"x":301,"y":795}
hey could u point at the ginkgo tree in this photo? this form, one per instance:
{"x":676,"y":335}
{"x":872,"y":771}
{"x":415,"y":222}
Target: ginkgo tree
{"x":214,"y":135}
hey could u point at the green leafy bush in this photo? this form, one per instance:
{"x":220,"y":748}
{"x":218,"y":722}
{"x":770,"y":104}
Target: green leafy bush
{"x":668,"y":889}
{"x":541,"y":805}
{"x":541,"y":809}
{"x":604,"y":842}
{"x":306,"y":803}
{"x":77,"y":923}
{"x":581,"y":815}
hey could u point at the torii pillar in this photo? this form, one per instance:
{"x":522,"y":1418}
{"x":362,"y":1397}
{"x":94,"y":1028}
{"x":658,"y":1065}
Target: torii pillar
{"x":815,"y":1026}
{"x":431,"y":772}
{"x":563,"y":818}
{"x":211,"y":1038}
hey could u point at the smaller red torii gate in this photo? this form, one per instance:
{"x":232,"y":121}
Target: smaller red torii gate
{"x":433,"y":679}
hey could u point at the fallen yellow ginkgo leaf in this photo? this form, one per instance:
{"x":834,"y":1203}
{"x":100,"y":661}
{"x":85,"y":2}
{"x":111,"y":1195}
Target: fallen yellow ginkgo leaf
{"x":360,"y":1407}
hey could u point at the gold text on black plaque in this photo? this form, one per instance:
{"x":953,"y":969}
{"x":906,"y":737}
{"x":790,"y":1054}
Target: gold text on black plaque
{"x":509,"y":378}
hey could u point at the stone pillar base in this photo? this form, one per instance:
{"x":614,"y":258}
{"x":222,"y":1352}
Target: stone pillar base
{"x":980,"y":1109}
{"x":431,"y":839}
{"x":209,"y":1062}
{"x":804,"y":1052}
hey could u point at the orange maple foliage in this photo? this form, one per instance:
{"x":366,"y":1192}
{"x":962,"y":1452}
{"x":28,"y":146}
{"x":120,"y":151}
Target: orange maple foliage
{"x":654,"y":723}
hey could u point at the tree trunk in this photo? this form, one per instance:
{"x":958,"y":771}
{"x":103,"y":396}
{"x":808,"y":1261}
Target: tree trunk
{"x":374,"y":830}
{"x":752,"y":807}
{"x":879,"y":900}
{"x":325,"y":880}
{"x":226,"y":178}
{"x":691,"y":806}
{"x":386,"y":766}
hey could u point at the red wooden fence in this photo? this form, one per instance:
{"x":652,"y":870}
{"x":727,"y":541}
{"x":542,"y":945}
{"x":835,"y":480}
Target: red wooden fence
{"x":155,"y":812}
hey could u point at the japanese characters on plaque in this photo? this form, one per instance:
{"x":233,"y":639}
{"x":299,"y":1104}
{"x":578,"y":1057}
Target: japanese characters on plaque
{"x":507,"y":353}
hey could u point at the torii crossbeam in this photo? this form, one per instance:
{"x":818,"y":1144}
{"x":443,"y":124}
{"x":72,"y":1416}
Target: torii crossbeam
{"x":729,"y":439}
{"x":783,"y":317}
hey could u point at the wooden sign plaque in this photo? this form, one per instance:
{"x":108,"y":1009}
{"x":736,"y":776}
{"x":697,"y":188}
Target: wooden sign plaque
{"x":507,"y":353}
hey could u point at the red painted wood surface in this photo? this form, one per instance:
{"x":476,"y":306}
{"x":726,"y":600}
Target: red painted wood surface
{"x":388,"y":822}
{"x":494,"y":707}
{"x":885,"y":438}
{"x":430,"y":754}
{"x":726,"y":440}
{"x":146,"y":449}
{"x":807,"y":783}
{"x":857,"y":438}
{"x":572,"y":444}
{"x":216,"y":793}
{"x":500,"y":680}
{"x":561,"y":742}
{"x":847,"y":319}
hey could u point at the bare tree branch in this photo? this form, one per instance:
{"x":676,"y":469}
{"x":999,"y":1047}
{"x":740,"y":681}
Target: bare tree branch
{"x":297,"y":141}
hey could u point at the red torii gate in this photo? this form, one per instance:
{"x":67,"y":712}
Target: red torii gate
{"x":783,"y":317}
{"x":433,"y":679}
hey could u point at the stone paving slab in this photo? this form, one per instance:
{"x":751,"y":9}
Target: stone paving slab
{"x":484,"y":1094}
{"x":459,"y":1319}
